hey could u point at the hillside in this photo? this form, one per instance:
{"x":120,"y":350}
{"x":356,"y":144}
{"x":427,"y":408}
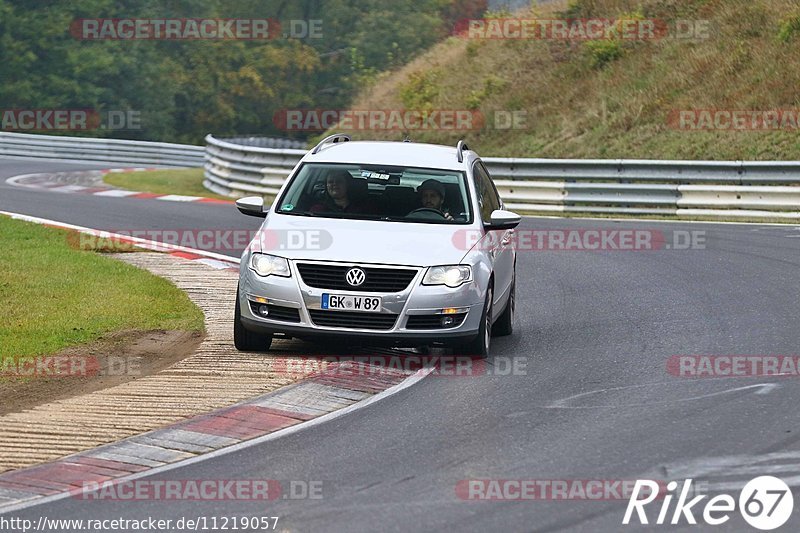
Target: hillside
{"x":617,"y":98}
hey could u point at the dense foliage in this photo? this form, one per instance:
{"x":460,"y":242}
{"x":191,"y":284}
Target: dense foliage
{"x":183,"y":89}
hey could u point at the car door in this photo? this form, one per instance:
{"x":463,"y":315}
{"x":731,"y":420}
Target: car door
{"x":501,"y":247}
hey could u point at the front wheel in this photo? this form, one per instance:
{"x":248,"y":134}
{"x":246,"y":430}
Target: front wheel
{"x":244,"y":340}
{"x":480,"y":345}
{"x":505,"y":322}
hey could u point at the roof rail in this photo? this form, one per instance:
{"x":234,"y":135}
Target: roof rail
{"x":460,"y":148}
{"x":332,"y":139}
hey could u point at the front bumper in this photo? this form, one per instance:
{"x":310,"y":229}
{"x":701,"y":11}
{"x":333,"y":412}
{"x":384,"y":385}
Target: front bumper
{"x":416,"y":299}
{"x":382,"y":338}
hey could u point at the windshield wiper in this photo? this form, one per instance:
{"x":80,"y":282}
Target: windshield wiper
{"x":301,"y":213}
{"x":332,"y":214}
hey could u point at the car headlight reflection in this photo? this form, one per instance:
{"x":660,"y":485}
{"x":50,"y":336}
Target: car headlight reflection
{"x":269,"y":265}
{"x":450,"y":275}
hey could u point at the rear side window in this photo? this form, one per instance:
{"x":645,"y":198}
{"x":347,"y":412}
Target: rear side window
{"x":488,"y":199}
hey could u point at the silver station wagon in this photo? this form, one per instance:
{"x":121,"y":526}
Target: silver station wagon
{"x":380,"y":243}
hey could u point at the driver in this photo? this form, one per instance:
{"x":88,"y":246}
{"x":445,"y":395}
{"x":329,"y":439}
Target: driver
{"x":338,"y":199}
{"x":431,"y":196}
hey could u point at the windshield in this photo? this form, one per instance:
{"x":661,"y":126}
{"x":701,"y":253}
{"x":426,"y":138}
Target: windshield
{"x":396,"y":194}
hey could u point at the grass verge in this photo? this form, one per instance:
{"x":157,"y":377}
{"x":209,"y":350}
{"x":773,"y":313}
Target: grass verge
{"x":53,"y":295}
{"x":186,"y":182}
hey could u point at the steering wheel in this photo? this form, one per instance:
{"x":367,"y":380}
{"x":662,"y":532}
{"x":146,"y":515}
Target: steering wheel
{"x":427,"y":211}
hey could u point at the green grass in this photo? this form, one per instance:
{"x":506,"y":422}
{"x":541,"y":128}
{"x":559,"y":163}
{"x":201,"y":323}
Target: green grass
{"x":53,"y":295}
{"x":187,"y":182}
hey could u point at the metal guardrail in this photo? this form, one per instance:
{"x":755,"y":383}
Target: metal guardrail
{"x":728,"y":189}
{"x":110,"y":151}
{"x":266,"y":142}
{"x":236,"y":170}
{"x":645,"y":170}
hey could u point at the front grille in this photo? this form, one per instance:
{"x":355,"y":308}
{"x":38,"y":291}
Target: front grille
{"x":377,"y":279}
{"x":277,"y":312}
{"x":433,"y":321}
{"x":350,"y":319}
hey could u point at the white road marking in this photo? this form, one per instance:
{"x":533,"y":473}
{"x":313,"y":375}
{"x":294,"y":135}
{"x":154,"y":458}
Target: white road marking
{"x":179,"y":198}
{"x":564,"y":403}
{"x":16,"y":180}
{"x":68,"y":188}
{"x":118,"y":193}
{"x":213,"y":263}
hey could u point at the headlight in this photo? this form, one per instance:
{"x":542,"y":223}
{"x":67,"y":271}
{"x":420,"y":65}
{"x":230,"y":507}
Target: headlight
{"x":269,"y":265}
{"x":450,"y":275}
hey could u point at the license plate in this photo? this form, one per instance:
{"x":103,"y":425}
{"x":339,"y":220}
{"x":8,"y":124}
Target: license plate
{"x":340,"y":302}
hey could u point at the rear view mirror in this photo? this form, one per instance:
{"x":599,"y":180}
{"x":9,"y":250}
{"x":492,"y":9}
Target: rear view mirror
{"x":252,"y":206}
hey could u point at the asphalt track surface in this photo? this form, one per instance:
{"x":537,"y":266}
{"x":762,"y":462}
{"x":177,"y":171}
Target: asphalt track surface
{"x":599,"y":322}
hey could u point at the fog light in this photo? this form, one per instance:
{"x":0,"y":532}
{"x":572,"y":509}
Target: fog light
{"x":447,"y":321}
{"x":263,"y":310}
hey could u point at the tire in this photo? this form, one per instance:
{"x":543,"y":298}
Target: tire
{"x":480,"y":345}
{"x":244,"y":340}
{"x":505,"y":322}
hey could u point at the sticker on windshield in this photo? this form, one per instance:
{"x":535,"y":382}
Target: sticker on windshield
{"x":287,"y":207}
{"x":374,"y":175}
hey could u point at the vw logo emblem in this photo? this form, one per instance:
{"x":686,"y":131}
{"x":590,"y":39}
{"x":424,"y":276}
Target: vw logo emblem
{"x":355,"y":277}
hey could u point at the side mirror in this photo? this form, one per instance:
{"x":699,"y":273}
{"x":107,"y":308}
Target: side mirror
{"x":252,"y":206}
{"x":502,"y":219}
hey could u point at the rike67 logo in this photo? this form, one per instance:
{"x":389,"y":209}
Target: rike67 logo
{"x":766,"y":503}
